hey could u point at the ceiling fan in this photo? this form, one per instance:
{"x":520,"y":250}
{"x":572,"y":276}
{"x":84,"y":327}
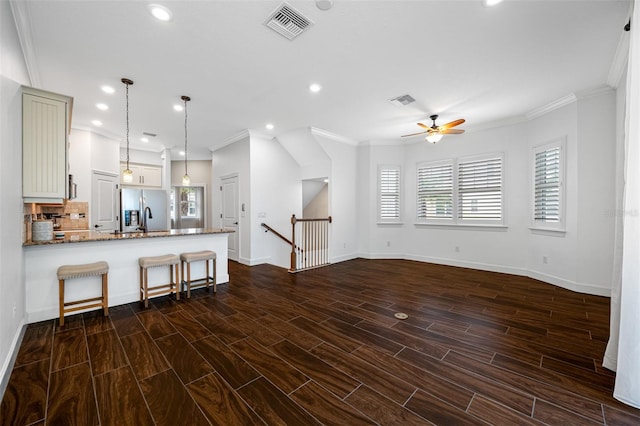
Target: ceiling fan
{"x":435,"y":133}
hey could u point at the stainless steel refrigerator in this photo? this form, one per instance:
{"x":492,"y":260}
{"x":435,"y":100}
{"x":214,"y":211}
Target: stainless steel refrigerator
{"x":143,"y":208}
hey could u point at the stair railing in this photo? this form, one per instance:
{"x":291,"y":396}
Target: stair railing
{"x":312,"y":235}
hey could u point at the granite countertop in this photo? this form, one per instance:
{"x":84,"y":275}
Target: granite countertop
{"x":84,"y":236}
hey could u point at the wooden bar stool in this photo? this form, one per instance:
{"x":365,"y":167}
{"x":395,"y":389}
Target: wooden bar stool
{"x":67,"y":272}
{"x":196,"y":256}
{"x":173,"y":286}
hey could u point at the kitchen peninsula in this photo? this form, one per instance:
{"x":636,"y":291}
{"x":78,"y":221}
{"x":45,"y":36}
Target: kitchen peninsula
{"x":121,"y":251}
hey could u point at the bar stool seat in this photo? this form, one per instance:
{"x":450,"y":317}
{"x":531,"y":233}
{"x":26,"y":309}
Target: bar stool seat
{"x":67,"y":272}
{"x":196,"y":256}
{"x":170,"y":260}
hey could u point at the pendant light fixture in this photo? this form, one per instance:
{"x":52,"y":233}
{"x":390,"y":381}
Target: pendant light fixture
{"x":127,"y":174}
{"x":186,"y":180}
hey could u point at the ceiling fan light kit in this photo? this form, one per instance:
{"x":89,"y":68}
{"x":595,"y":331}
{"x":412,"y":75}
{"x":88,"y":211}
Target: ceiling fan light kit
{"x":435,"y":132}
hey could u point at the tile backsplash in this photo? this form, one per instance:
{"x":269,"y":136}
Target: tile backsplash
{"x":71,"y":216}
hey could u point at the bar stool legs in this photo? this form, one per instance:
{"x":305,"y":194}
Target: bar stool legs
{"x":173,"y":286}
{"x":187,"y":259}
{"x":67,"y":272}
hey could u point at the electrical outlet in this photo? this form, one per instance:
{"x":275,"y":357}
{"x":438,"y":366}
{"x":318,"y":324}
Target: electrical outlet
{"x":388,"y":243}
{"x":457,"y":249}
{"x":15,"y":309}
{"x":545,"y":259}
{"x":74,"y":216}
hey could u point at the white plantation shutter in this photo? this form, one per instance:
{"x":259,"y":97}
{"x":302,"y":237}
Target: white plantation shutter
{"x":389,"y":193}
{"x":435,"y":191}
{"x":480,"y":189}
{"x":547,"y":186}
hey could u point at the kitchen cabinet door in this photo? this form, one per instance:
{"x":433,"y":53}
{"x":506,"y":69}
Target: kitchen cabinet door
{"x":146,"y":176}
{"x":44,"y":146}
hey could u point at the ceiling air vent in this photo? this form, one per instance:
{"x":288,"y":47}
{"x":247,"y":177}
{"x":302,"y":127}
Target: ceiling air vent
{"x":402,"y":100}
{"x":288,"y":22}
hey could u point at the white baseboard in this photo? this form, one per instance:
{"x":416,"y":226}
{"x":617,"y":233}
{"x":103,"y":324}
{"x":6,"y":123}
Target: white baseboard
{"x":570,"y":285}
{"x":7,"y":367}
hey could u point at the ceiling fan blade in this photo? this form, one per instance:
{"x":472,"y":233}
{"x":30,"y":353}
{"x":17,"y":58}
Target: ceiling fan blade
{"x":413,"y":134}
{"x":423,"y":125}
{"x":451,"y":124}
{"x":452,"y":132}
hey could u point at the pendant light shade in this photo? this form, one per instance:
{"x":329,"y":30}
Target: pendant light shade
{"x":127,"y":174}
{"x":434,"y":137}
{"x":186,"y":180}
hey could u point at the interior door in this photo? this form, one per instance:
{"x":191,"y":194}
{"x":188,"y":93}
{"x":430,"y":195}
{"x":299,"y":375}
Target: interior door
{"x":104,"y":201}
{"x":230,"y":214}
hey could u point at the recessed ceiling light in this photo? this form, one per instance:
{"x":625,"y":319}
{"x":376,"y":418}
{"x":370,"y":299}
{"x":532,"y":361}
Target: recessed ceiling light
{"x":108,"y":89}
{"x":269,"y":126}
{"x":96,"y":123}
{"x":489,"y":3}
{"x":178,"y":107}
{"x":102,"y":107}
{"x":144,"y":139}
{"x":315,"y":87}
{"x":161,"y":13}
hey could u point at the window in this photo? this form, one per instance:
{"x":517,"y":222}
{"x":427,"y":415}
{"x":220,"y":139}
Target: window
{"x":464,"y":191}
{"x":480,"y":189}
{"x":435,"y":191}
{"x":547,"y":185}
{"x":389,"y":194}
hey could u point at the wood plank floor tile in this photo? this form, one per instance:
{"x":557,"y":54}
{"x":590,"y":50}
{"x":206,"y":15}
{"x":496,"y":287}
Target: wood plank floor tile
{"x":36,"y":343}
{"x":429,"y":348}
{"x":388,"y":385}
{"x":105,"y":352}
{"x":324,"y":374}
{"x":362,"y":336}
{"x":120,"y":401}
{"x":552,"y":414}
{"x":438,"y":411}
{"x":185,"y":360}
{"x":144,"y":356}
{"x":273,"y":405}
{"x":155,"y":323}
{"x":125,"y":321}
{"x":324,"y":333}
{"x":227,"y":363}
{"x":72,"y":387}
{"x":531,"y":386}
{"x":290,"y":332}
{"x":95,"y":322}
{"x":621,"y":415}
{"x":170,"y":402}
{"x":255,"y":330}
{"x":25,"y":398}
{"x":494,"y":413}
{"x":382,"y":410}
{"x":220,"y":328}
{"x":69,"y":348}
{"x":187,"y":325}
{"x":326,"y":407}
{"x":278,"y":371}
{"x":590,"y":378}
{"x":220,"y":403}
{"x":436,"y":385}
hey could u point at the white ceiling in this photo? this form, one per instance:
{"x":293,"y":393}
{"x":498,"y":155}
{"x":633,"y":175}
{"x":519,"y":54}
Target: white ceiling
{"x":456,"y":58}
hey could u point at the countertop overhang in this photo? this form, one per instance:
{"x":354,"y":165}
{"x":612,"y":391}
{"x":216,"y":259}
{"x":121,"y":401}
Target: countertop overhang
{"x":85,"y":236}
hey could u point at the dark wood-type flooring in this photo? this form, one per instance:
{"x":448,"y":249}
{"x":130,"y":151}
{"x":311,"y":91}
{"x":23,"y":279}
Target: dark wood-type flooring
{"x":324,"y":347}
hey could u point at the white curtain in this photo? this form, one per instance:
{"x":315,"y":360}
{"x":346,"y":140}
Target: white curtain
{"x":623,"y":350}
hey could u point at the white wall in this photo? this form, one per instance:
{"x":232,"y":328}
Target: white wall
{"x":13,"y":73}
{"x":229,"y":160}
{"x":276,"y":194}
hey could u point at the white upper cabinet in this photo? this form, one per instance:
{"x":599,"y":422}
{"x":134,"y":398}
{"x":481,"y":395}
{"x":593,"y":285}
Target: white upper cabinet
{"x":46,"y":120}
{"x":143,"y":175}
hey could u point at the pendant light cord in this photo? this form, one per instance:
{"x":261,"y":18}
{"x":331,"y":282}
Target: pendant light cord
{"x":127,"y":109}
{"x":185,"y":135}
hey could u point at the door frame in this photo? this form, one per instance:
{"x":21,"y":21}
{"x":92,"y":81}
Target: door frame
{"x":236,"y":234}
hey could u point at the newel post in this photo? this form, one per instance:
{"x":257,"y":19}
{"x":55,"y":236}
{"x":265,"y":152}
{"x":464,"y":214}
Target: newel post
{"x":293,"y":243}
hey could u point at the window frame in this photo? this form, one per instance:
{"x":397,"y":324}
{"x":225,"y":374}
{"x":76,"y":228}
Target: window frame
{"x":455,"y":220}
{"x":537,"y":224}
{"x":389,"y":220}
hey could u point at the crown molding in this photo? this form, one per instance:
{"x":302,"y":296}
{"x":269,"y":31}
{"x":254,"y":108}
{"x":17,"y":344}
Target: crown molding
{"x":243,"y":134}
{"x":596,"y":91}
{"x":22,"y":19}
{"x":551,"y":106}
{"x":325,"y":134}
{"x":620,"y":60}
